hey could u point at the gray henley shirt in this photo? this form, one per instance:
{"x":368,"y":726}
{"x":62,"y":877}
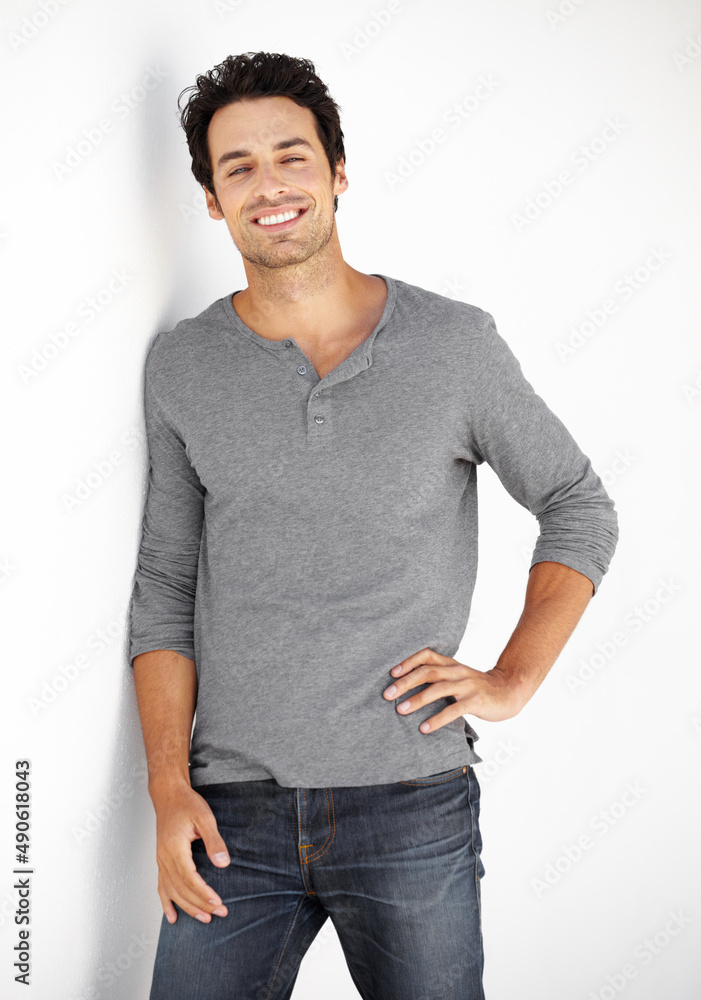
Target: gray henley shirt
{"x":302,"y":535}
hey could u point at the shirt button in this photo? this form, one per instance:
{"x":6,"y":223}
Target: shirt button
{"x":288,"y":343}
{"x":302,"y":369}
{"x":319,"y":419}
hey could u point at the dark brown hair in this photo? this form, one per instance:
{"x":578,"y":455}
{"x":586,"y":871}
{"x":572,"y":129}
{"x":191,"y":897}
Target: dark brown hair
{"x":258,"y":74}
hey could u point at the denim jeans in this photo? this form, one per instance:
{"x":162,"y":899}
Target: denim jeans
{"x":395,"y":866}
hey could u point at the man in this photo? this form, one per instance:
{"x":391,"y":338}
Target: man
{"x":307,"y":561}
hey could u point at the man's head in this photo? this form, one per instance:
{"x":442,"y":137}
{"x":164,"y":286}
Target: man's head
{"x":239,"y":120}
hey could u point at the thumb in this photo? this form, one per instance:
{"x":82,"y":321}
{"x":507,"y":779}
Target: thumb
{"x":214,"y":843}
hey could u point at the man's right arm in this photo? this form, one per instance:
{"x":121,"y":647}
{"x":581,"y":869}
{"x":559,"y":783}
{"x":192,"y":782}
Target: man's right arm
{"x":162,"y":643}
{"x":166,"y":690}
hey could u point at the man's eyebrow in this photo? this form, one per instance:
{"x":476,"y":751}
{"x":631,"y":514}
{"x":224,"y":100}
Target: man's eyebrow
{"x":238,"y":154}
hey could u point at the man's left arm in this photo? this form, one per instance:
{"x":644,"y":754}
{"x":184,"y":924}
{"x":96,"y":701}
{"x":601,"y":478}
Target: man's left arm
{"x":556,"y":597}
{"x":544,"y":469}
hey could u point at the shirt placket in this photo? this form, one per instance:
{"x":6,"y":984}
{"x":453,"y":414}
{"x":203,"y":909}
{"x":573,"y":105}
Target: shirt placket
{"x":319,"y":391}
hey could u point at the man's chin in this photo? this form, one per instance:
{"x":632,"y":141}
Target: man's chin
{"x":274,"y":262}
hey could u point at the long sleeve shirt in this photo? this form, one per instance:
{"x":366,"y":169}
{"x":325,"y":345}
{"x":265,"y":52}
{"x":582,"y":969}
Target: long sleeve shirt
{"x":302,"y":535}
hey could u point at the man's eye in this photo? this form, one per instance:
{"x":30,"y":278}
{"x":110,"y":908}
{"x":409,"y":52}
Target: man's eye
{"x":289,"y":158}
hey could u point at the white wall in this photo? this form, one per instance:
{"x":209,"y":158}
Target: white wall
{"x":129,"y":217}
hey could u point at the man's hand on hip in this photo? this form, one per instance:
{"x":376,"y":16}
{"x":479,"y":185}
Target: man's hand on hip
{"x":489,"y":695}
{"x":556,"y":596}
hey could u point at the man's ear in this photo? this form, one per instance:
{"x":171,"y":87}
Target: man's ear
{"x":340,"y":179}
{"x":213,"y":206}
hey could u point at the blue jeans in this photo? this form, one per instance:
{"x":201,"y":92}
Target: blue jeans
{"x":396,"y":866}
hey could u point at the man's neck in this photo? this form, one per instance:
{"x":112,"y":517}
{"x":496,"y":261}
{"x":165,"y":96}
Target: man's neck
{"x":278,"y":300}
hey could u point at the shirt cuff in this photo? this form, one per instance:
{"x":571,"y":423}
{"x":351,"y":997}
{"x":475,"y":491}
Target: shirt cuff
{"x":574,"y":561}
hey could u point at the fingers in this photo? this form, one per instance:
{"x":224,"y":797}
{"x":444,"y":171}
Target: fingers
{"x":168,"y":907}
{"x":184,"y":816}
{"x":425,"y":655}
{"x":433,"y":674}
{"x":180,"y":882}
{"x":434,"y":692}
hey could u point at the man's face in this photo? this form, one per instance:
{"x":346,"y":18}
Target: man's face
{"x":265,"y":181}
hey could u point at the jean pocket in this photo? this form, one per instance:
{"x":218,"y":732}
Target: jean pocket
{"x":438,"y":778}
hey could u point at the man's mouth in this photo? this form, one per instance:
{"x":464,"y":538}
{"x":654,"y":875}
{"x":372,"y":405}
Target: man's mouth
{"x":276,"y":222}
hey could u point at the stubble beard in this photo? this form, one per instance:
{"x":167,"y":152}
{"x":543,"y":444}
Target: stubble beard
{"x":286,"y":252}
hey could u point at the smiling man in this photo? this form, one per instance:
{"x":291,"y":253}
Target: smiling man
{"x":307,"y":562}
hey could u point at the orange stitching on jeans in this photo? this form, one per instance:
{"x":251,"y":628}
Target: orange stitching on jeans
{"x":332,"y":825}
{"x":302,"y":848}
{"x":304,"y":818}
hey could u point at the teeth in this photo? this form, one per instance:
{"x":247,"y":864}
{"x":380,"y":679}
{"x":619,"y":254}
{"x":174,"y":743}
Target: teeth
{"x":272,"y":220}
